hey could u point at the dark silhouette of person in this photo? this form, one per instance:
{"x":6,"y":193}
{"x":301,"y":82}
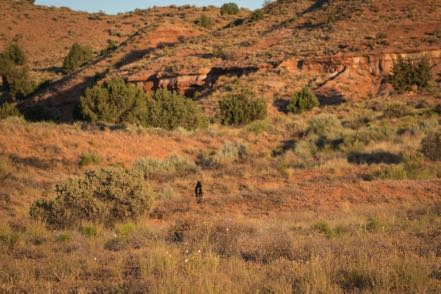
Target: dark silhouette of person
{"x":198,"y":192}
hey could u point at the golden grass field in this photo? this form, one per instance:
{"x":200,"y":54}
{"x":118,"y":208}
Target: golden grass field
{"x":276,"y":220}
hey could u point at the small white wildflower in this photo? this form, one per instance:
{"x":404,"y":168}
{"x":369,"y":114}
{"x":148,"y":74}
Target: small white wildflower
{"x":186,"y":260}
{"x":95,"y":258}
{"x":199,"y":251}
{"x":227,"y":229}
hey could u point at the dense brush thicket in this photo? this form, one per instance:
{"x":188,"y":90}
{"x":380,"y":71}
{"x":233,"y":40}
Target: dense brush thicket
{"x":104,"y":196}
{"x":16,"y":79}
{"x":118,"y":102}
{"x":407,"y":74}
{"x":241,"y":107}
{"x":114,"y":102}
{"x":78,"y":56}
{"x":169,"y":110}
{"x":304,"y":100}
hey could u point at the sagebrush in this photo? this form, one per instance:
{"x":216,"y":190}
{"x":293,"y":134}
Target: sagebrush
{"x":103,"y":196}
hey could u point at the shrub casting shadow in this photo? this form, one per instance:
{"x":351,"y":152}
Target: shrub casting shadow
{"x":374,"y":158}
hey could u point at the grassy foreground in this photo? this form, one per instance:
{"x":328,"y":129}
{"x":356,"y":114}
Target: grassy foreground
{"x":335,"y":200}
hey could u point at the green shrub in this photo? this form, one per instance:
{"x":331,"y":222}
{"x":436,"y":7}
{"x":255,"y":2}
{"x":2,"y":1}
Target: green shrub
{"x":373,"y":225}
{"x":89,"y":231}
{"x":173,"y":165}
{"x":89,"y":159}
{"x":104,"y":196}
{"x":395,"y":172}
{"x":241,"y":107}
{"x":169,"y":110}
{"x":77,"y":57}
{"x":63,"y":237}
{"x":431,"y":146}
{"x":15,"y":54}
{"x":324,"y":125}
{"x":323,"y":228}
{"x":412,"y":167}
{"x":114,"y":102}
{"x":407,"y":73}
{"x":229,"y":9}
{"x":15,"y":75}
{"x":19,"y":82}
{"x":9,"y":109}
{"x":204,"y":21}
{"x":304,"y":100}
{"x":111,"y":45}
{"x":257,"y":15}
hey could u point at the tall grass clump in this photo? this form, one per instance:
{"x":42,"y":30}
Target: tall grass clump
{"x":204,"y":21}
{"x":103,"y":196}
{"x":431,"y":146}
{"x":87,"y":159}
{"x":9,"y":109}
{"x":174,"y":165}
{"x":412,"y":167}
{"x":229,"y":153}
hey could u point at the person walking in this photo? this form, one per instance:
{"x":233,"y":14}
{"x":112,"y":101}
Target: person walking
{"x":198,"y":192}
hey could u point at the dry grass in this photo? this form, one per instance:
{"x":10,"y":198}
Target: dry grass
{"x":271,"y":221}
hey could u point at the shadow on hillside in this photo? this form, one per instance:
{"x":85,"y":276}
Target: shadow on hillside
{"x":315,"y":6}
{"x":374,"y":158}
{"x":333,"y":97}
{"x":281,"y":105}
{"x":284,"y":147}
{"x":136,"y":55}
{"x":38,"y":163}
{"x":52,"y":69}
{"x":133,"y":56}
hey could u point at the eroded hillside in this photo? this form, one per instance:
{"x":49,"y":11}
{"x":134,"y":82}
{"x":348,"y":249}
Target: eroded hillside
{"x":333,"y":47}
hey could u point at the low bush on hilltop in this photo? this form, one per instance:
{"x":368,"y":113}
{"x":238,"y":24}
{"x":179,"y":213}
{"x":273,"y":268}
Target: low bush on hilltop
{"x":114,"y":102}
{"x":78,"y":56}
{"x":304,"y":100}
{"x":407,"y":74}
{"x":241,"y":107}
{"x":230,"y":8}
{"x":104,"y":196}
{"x":169,"y":110}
